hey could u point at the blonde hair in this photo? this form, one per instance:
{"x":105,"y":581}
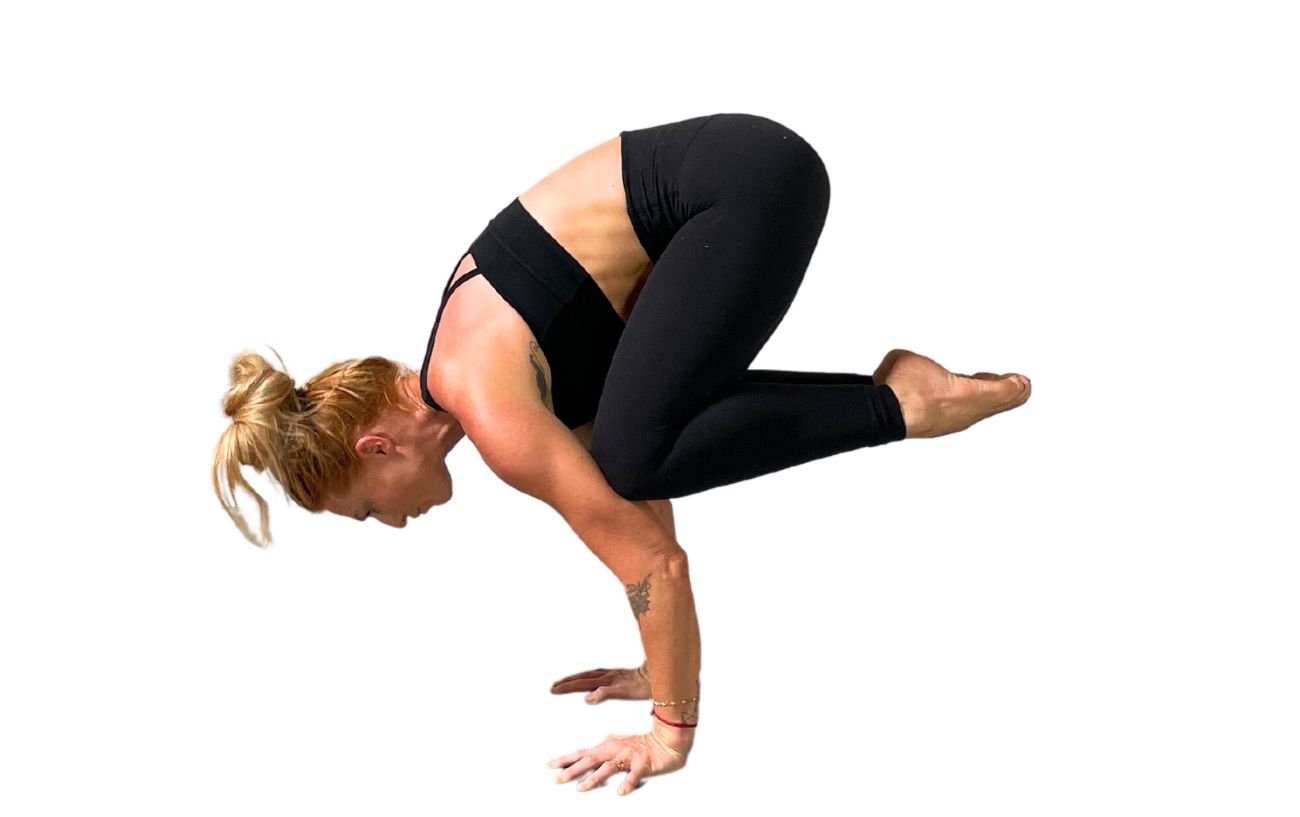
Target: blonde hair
{"x":302,"y":437}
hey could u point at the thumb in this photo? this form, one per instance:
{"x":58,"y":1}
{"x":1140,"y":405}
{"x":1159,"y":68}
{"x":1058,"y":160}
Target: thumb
{"x":598,"y":695}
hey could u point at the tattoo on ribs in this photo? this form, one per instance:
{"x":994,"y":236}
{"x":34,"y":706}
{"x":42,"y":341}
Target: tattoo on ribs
{"x":534,"y":357}
{"x":638,"y":595}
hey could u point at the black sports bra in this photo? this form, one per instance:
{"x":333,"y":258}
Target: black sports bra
{"x":574,"y":323}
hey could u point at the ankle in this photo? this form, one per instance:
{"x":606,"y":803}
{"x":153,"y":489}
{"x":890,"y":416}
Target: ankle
{"x":914,"y":408}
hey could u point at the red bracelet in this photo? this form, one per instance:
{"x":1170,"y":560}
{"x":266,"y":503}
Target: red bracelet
{"x":670,"y":723}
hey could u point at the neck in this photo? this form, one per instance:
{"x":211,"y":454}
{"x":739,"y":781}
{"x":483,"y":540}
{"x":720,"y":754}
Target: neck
{"x":442,"y":426}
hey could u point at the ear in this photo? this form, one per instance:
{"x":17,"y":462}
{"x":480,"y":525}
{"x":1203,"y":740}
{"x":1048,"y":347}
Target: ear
{"x":374,"y":445}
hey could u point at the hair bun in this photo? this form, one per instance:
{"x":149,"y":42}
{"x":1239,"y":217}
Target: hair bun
{"x":305,"y":446}
{"x":256,"y":387}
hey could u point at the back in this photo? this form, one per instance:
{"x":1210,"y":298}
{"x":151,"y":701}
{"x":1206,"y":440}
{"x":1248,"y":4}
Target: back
{"x":570,"y":319}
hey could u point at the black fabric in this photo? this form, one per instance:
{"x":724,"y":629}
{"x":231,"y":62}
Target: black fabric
{"x":573,"y":321}
{"x":729,"y":207}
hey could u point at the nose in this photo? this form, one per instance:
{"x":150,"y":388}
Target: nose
{"x":396,"y":524}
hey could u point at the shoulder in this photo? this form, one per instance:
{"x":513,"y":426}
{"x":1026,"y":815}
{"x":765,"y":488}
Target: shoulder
{"x":484,"y":352}
{"x":520,"y":440}
{"x":499,"y":366}
{"x":527,"y":447}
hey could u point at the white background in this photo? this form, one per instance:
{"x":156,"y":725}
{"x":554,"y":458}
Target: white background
{"x":1085,"y":606}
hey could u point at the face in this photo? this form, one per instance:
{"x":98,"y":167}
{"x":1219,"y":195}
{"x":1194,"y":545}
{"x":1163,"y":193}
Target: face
{"x":395,"y":481}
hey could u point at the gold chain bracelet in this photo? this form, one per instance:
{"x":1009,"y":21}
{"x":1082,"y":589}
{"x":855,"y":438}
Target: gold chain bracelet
{"x":675,"y":703}
{"x":641,"y":670}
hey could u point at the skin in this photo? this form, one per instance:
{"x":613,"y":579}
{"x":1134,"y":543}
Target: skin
{"x":403,"y":463}
{"x":487,"y":370}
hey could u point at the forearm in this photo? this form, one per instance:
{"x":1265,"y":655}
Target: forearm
{"x":683,"y":666}
{"x":630,"y":537}
{"x":531,"y":450}
{"x":664,"y":606}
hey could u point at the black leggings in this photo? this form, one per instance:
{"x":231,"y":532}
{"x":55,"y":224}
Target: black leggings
{"x":729,"y":208}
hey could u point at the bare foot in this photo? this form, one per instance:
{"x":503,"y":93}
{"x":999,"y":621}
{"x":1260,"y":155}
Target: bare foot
{"x":936,"y":401}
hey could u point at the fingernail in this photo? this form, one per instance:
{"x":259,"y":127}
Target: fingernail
{"x":559,"y":778}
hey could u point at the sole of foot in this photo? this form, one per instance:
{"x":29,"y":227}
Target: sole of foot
{"x":936,"y":401}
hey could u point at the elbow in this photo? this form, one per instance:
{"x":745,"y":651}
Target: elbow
{"x":672,"y":567}
{"x":668,"y":571}
{"x":663,"y":567}
{"x":675,"y":565}
{"x":664,"y":563}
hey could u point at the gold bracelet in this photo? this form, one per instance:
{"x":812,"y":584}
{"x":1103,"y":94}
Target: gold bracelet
{"x":675,"y":703}
{"x":641,"y":669}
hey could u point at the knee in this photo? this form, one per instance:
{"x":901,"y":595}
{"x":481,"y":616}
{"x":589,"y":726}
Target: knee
{"x":814,"y":182}
{"x":630,"y":475}
{"x":798,"y":184}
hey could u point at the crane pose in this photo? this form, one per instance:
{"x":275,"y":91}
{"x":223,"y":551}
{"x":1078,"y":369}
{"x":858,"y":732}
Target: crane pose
{"x":594,"y":343}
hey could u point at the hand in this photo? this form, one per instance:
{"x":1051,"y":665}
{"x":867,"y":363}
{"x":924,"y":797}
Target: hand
{"x":631,"y":684}
{"x":642,"y":756}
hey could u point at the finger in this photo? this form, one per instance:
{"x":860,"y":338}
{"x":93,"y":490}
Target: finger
{"x":567,"y":759}
{"x":633,"y":775}
{"x":600,"y":694}
{"x":576,"y":684}
{"x":608,"y":768}
{"x":579,"y":675}
{"x":577,"y":769}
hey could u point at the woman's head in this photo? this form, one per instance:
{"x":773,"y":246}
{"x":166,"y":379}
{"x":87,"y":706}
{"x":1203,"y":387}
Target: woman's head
{"x":355,"y":440}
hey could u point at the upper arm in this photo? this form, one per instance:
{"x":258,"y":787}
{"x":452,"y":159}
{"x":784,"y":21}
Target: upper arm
{"x":583,"y":433}
{"x":529,"y":448}
{"x":503,"y":403}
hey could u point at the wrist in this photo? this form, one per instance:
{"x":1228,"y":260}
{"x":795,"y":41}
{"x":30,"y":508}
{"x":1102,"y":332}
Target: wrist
{"x":677,"y":738}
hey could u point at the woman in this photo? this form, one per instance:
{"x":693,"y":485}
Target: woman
{"x":596,"y":353}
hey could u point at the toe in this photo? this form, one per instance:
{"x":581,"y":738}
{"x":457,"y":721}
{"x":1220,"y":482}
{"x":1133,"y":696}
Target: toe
{"x":1026,"y":386}
{"x":1010,"y":388}
{"x":1017,"y":388}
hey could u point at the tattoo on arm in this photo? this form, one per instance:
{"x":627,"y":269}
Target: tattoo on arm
{"x":638,"y":595}
{"x":534,"y":357}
